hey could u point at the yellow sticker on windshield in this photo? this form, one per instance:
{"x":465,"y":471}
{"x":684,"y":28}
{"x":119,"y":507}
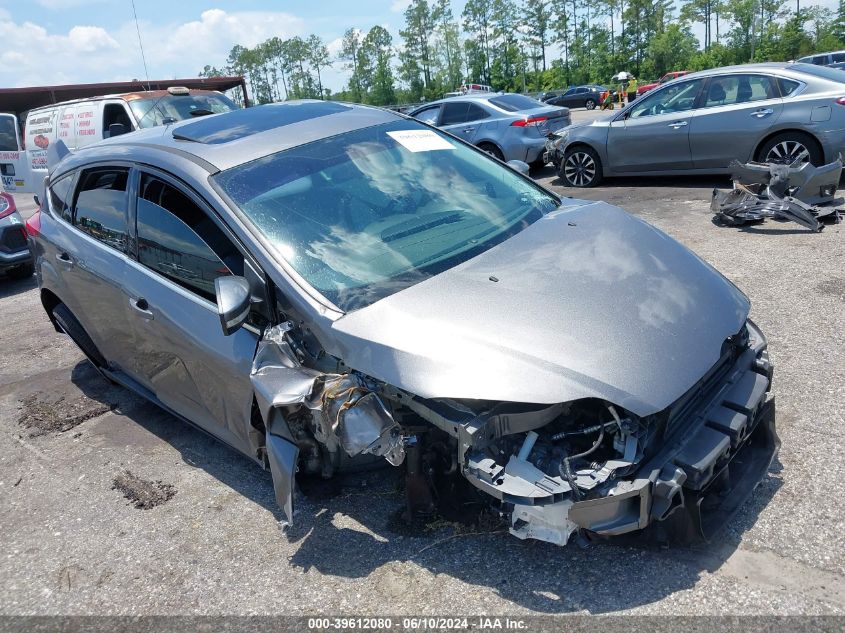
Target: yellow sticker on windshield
{"x":420,"y":140}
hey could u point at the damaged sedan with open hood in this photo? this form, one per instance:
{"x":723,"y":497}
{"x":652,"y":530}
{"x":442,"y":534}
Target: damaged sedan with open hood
{"x":323,"y":286}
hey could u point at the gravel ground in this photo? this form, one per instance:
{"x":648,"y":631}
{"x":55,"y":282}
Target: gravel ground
{"x":75,"y":543}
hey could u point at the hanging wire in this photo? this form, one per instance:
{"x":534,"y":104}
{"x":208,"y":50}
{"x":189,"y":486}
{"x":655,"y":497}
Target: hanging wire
{"x":140,"y":44}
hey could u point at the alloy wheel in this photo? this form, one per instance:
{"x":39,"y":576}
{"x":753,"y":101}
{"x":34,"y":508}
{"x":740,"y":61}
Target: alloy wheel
{"x":579,"y":169}
{"x":788,"y":152}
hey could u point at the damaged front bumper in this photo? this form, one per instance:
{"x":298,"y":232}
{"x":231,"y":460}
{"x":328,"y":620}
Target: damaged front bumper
{"x":681,"y":473}
{"x":719,"y":442}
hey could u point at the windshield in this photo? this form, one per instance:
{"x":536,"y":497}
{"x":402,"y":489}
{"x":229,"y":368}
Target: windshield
{"x":153,"y":111}
{"x":515,"y":103}
{"x":8,"y":133}
{"x":368,"y":213}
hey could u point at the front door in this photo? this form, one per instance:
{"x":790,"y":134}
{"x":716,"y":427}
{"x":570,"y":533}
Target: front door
{"x":653,"y":134}
{"x":181,"y":353}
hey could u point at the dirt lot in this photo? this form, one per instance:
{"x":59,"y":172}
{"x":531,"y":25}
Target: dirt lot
{"x":110,"y":506}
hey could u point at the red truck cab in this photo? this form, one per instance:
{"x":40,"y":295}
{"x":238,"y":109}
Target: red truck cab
{"x":667,"y":77}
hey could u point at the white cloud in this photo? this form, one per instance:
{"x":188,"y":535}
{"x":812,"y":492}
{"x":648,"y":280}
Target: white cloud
{"x":334,"y":47}
{"x":90,"y":54}
{"x":399,"y":6}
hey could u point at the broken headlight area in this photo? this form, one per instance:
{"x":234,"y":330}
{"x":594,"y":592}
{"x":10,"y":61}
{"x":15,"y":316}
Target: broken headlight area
{"x":549,"y":471}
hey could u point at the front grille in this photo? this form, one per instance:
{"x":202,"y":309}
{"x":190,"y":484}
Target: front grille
{"x":687,"y":406}
{"x":13,"y":239}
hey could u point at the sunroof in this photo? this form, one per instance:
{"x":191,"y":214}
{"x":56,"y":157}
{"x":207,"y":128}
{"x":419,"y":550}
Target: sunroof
{"x":237,"y":124}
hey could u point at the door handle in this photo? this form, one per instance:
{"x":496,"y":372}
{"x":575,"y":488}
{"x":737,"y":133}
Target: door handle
{"x":64,"y":260}
{"x":678,"y":124}
{"x":469,"y":129}
{"x":761,"y":113}
{"x":141,"y":306}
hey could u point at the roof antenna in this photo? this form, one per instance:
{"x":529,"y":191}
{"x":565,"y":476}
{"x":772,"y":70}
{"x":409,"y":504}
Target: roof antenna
{"x":141,"y":45}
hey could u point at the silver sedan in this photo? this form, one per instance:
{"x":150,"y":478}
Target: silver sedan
{"x":698,"y":124}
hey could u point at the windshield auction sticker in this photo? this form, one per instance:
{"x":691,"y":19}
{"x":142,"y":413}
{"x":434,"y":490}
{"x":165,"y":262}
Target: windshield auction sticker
{"x":420,"y":140}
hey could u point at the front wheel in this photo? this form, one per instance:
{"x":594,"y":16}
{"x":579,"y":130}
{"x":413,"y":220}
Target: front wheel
{"x":590,"y":104}
{"x":581,"y":167}
{"x":791,"y":147}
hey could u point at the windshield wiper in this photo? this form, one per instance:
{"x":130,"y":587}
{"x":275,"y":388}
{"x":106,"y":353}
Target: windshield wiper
{"x":419,"y":225}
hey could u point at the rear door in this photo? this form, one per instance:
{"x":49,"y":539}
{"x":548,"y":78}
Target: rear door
{"x":180,"y":352}
{"x":40,"y":131}
{"x":653,"y":133}
{"x":92,"y":260}
{"x":736,"y":112}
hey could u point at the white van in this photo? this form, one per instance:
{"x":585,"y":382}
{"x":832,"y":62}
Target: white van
{"x":84,"y":121}
{"x":14,"y":168}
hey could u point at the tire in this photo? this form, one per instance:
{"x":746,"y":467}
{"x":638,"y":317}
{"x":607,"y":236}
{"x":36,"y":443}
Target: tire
{"x":64,"y":317}
{"x":785,"y":148}
{"x":590,"y":104}
{"x":580,"y":167}
{"x":491,"y":149}
{"x":24,"y":271}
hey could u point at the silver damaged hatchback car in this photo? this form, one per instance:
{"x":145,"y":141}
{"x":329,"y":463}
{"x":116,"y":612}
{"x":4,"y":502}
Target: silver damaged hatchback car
{"x":320,"y":285}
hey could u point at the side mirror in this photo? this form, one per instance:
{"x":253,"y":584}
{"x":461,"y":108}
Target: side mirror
{"x":37,"y":201}
{"x":233,"y":300}
{"x":518,"y":165}
{"x":116,"y":129}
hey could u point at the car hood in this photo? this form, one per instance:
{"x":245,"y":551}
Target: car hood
{"x":586,"y":302}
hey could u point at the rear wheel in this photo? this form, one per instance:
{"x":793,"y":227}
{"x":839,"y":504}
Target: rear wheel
{"x":581,"y":167}
{"x":64,"y":317}
{"x":791,"y":147}
{"x":590,"y":104}
{"x":491,"y":149}
{"x":25,"y":271}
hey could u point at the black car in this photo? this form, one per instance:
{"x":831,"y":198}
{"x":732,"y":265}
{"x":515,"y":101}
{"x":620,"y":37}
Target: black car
{"x":578,"y":97}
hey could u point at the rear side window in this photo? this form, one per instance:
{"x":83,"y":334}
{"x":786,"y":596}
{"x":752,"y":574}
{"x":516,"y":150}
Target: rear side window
{"x":60,"y":197}
{"x":101,"y":205}
{"x":475,"y":112}
{"x":787,"y":86}
{"x":177,"y":239}
{"x":515,"y":103}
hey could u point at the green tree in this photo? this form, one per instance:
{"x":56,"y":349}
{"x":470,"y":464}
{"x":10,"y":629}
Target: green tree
{"x":478,"y":23}
{"x":318,"y":58}
{"x":350,"y":51}
{"x":377,"y":51}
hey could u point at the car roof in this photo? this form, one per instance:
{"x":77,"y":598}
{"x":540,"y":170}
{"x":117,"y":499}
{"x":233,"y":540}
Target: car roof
{"x":226,"y":140}
{"x":125,"y":96}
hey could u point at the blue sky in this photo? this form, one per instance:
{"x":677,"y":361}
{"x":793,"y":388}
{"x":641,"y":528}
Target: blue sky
{"x":70,"y":41}
{"x":45,"y":42}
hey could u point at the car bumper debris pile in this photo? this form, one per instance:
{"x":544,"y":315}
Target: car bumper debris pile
{"x":804,"y":194}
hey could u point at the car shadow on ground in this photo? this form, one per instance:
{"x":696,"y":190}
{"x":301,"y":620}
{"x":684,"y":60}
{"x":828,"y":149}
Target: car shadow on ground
{"x":10,"y":287}
{"x":351,"y":527}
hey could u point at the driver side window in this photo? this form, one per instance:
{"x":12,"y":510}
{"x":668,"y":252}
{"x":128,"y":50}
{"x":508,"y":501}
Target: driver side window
{"x":676,"y":97}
